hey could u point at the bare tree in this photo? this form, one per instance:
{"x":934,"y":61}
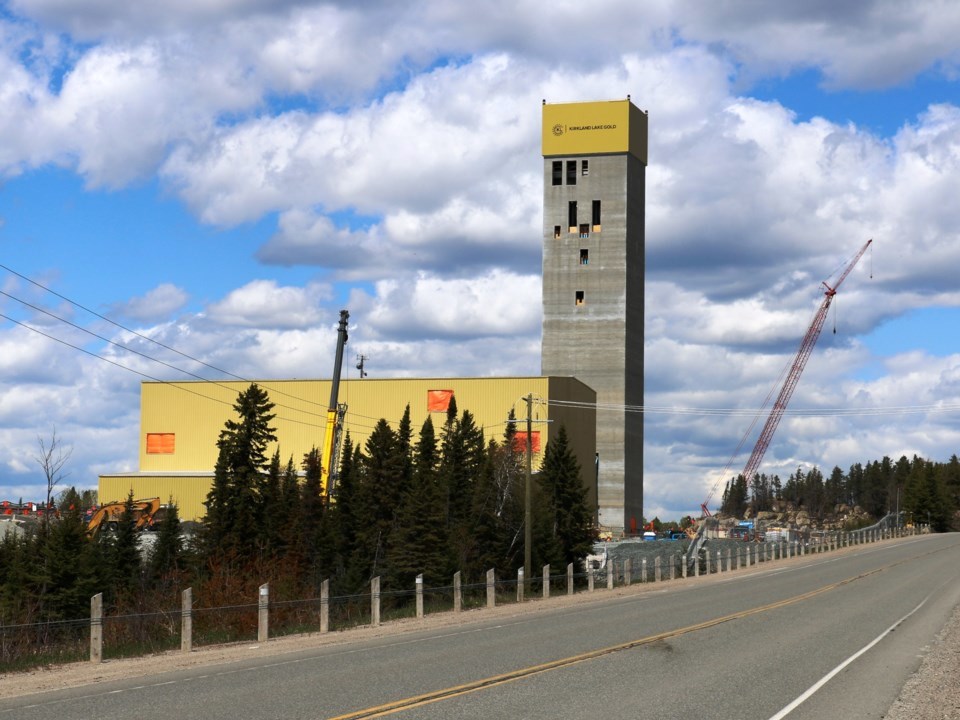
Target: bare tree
{"x":53,"y":456}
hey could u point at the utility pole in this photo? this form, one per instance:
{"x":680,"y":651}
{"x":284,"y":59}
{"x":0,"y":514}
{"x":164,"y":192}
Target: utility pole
{"x":527,"y":500}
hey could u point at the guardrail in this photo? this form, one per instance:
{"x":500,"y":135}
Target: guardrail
{"x":187,"y":624}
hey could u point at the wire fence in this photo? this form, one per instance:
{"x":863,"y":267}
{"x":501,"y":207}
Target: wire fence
{"x":28,"y":645}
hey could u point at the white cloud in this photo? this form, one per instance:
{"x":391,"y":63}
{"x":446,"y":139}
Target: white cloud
{"x":398,"y":147}
{"x":261,"y":303}
{"x":157,"y":304}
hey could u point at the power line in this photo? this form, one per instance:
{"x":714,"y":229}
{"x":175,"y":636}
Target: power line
{"x":137,"y":334}
{"x":135,"y":352}
{"x":735,"y":412}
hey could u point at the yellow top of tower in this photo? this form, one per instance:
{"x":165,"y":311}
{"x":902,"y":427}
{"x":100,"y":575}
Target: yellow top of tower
{"x":594,"y":128}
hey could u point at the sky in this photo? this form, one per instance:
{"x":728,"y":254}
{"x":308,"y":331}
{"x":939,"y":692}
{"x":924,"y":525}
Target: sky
{"x":223,"y":176}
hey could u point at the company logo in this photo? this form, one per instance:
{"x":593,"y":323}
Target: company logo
{"x":558,"y":129}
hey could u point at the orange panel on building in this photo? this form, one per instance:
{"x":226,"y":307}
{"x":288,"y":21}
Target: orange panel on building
{"x":161,"y":443}
{"x":438,"y":400}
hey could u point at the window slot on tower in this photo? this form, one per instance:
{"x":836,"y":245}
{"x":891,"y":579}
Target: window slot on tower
{"x":572,"y":216}
{"x":584,"y":168}
{"x":571,"y":172}
{"x":596,"y":216}
{"x":578,"y":298}
{"x":584,"y":230}
{"x":556,"y":232}
{"x":584,"y":256}
{"x":557,"y":172}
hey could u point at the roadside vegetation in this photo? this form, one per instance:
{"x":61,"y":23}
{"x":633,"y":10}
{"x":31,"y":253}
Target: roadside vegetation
{"x":444,"y":500}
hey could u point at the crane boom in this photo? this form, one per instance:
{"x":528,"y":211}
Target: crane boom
{"x":334,"y":427}
{"x":780,"y":405}
{"x":799,"y":362}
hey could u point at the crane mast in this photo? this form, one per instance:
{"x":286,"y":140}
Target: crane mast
{"x":335,"y":413}
{"x":799,"y":362}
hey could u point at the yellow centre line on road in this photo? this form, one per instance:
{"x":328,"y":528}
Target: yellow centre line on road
{"x":466,"y":688}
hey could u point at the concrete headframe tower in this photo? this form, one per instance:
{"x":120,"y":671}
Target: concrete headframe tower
{"x":594,"y":175}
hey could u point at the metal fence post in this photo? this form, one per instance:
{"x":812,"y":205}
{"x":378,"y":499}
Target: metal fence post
{"x":569,"y":578}
{"x":325,"y":606}
{"x":520,"y":583}
{"x":457,"y":592}
{"x":546,"y":581}
{"x":96,"y":628}
{"x":491,"y":588}
{"x":263,"y":613}
{"x":419,"y":588}
{"x":186,"y":620}
{"x":375,"y":602}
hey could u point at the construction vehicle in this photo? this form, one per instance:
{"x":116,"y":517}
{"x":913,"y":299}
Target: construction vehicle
{"x":143,"y":514}
{"x":333,"y":434}
{"x":783,"y":398}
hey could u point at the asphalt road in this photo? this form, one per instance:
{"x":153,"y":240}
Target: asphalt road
{"x":836,"y":634}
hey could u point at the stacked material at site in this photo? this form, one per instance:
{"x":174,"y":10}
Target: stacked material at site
{"x":628,"y":556}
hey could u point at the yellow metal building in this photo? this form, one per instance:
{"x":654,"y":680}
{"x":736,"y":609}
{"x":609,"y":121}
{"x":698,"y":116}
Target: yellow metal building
{"x":181,"y":421}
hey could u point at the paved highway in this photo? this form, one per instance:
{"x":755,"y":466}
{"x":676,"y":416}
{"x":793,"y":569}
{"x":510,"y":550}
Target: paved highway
{"x":832,"y":635}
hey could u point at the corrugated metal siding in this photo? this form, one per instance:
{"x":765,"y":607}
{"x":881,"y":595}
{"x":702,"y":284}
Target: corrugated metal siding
{"x":196,"y":412}
{"x":188,"y":492}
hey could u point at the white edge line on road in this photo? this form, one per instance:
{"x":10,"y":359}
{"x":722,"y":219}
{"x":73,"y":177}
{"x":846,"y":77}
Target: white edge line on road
{"x":830,"y":675}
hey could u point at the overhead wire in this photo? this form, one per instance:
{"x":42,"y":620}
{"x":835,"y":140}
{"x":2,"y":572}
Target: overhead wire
{"x":141,"y":335}
{"x":173,"y":383}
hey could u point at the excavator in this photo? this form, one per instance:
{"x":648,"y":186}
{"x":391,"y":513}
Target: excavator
{"x":144,"y":513}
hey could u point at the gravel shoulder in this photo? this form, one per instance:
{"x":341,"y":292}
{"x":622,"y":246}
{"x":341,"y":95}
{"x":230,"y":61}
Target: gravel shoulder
{"x":933,"y":691}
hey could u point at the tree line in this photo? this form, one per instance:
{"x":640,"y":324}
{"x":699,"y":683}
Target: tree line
{"x":445,"y":500}
{"x":925,"y":490}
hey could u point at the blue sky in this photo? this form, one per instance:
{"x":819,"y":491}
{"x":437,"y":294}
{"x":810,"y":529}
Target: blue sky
{"x":225,"y":176}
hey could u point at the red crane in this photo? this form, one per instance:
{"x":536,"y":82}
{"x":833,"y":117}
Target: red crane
{"x":799,"y":362}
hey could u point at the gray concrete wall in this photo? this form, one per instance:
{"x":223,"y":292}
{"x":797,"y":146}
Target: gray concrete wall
{"x":600,"y":341}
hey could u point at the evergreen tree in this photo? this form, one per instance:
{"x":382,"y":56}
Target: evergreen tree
{"x":235,"y":509}
{"x":271,"y":532}
{"x":69,"y":572}
{"x":566,"y":498}
{"x":317,"y":548}
{"x":343,"y":501}
{"x":418,"y":544}
{"x":462,"y":459}
{"x":488,"y":533}
{"x":167,"y":558}
{"x":124,"y":556}
{"x":291,"y":511}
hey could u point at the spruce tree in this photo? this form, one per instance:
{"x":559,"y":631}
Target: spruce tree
{"x":167,"y":557}
{"x":124,"y":557}
{"x":418,"y":544}
{"x":566,"y":499}
{"x":235,"y":510}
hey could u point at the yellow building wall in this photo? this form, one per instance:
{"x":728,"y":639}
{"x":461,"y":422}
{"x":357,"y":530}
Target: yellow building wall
{"x":194,"y":413}
{"x":594,"y":128}
{"x":187,"y":491}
